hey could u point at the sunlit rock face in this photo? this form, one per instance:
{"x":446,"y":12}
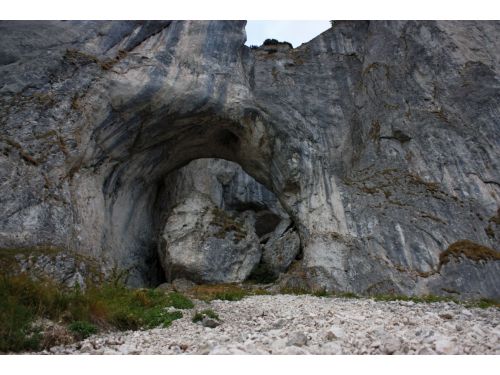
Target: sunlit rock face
{"x":380,"y":140}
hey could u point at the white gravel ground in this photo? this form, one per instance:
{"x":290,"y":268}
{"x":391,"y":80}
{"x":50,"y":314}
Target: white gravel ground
{"x":289,"y":324}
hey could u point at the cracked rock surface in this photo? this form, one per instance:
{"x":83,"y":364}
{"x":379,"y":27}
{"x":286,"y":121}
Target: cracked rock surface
{"x":288,"y":324}
{"x":380,"y":140}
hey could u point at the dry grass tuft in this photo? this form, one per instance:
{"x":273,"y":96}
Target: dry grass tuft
{"x":467,"y":249}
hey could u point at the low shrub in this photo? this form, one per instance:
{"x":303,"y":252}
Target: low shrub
{"x":180,"y":301}
{"x":81,"y":330}
{"x":198,"y":316}
{"x":111,"y":305}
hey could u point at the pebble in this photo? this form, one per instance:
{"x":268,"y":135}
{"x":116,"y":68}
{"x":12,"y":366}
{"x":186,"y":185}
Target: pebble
{"x":283,"y":324}
{"x":391,"y":345}
{"x":209,"y":322}
{"x":335,"y":333}
{"x":445,"y":346}
{"x":297,"y":339}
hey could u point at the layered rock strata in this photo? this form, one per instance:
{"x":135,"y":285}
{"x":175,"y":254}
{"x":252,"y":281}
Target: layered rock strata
{"x":381,"y":141}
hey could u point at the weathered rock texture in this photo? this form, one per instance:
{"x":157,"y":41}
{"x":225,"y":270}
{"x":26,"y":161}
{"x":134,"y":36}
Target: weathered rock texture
{"x":218,"y":223}
{"x":381,"y":141}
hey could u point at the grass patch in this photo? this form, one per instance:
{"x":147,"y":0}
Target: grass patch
{"x":179,"y":301}
{"x":483,"y":303}
{"x":321,"y":293}
{"x":295,"y":291}
{"x":346,"y":295}
{"x":417,"y":299}
{"x":467,"y":249}
{"x":225,"y":292}
{"x":109,"y":306}
{"x":81,"y":330}
{"x":209,"y":313}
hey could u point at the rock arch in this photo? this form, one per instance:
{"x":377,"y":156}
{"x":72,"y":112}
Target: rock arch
{"x":94,"y":114}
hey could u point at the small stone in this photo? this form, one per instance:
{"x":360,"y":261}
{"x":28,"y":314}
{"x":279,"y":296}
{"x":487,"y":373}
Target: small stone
{"x":278,"y":345}
{"x":86,"y":347}
{"x":205,"y":348}
{"x":297,"y":339}
{"x":426,"y":351}
{"x":446,"y":316}
{"x":209,"y":322}
{"x":280,"y":323}
{"x":445,"y":346}
{"x":331,"y":348}
{"x":294,"y":350}
{"x":375,"y":344}
{"x":391,"y":345}
{"x":182,"y":285}
{"x":335,"y":333}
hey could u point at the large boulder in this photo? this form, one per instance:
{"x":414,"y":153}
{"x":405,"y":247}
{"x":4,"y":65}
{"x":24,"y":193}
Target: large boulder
{"x":204,"y":243}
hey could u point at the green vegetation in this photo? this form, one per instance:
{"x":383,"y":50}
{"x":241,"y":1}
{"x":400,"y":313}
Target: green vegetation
{"x":209,"y":313}
{"x":296,"y":291}
{"x":481,"y":303}
{"x":81,"y":330}
{"x":417,"y":299}
{"x":109,"y":306}
{"x":346,"y":295}
{"x":321,"y":293}
{"x":179,"y":301}
{"x":225,"y":292}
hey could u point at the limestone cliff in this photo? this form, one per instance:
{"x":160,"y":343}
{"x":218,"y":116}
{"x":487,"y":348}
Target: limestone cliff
{"x":381,"y":141}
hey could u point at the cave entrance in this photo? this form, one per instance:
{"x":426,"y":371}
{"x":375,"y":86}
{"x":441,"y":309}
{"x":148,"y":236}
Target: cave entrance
{"x":142,"y":166}
{"x":219,"y":225}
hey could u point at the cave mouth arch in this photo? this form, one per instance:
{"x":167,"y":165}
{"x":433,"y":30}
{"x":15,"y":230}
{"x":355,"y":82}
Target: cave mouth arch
{"x":133,"y":162}
{"x":207,"y":221}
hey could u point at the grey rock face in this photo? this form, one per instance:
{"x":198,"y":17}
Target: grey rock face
{"x":233,"y":197}
{"x":66,"y":268}
{"x":281,"y":248}
{"x":205,"y":244}
{"x":379,"y":139}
